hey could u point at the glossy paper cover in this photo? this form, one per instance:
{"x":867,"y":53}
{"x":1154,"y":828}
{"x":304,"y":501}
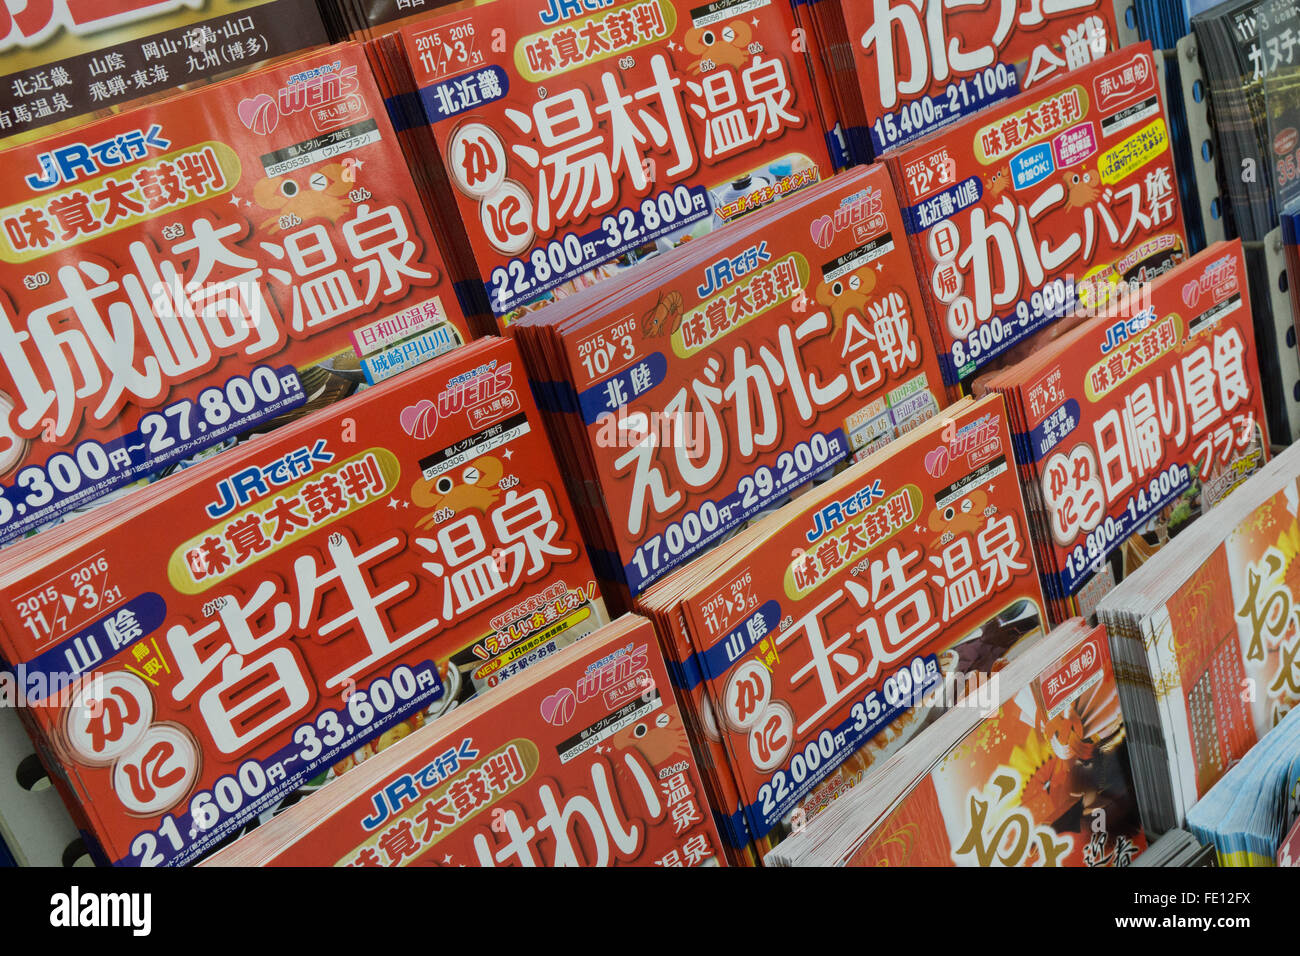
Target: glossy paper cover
{"x":1044,"y":781}
{"x":823,"y":638}
{"x":1150,"y":416}
{"x":275,"y":608}
{"x":182,"y":274}
{"x":1229,"y":646}
{"x":581,"y":138}
{"x":1023,"y":211}
{"x":922,"y":65}
{"x":62,"y":61}
{"x":728,"y":386}
{"x":588,"y":764}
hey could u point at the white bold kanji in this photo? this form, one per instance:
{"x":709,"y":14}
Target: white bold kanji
{"x":380,"y":243}
{"x":1000,"y":549}
{"x":351,"y":577}
{"x":199,"y":652}
{"x":527,"y":529}
{"x":963,"y":587}
{"x":577,"y":159}
{"x":471,"y":574}
{"x":262,"y":683}
{"x":576,"y":175}
{"x":864,"y":364}
{"x":1199,"y":380}
{"x":892,"y":325}
{"x":768,"y":95}
{"x":253,"y":699}
{"x":1160,"y":198}
{"x":122,"y":628}
{"x":727,"y":126}
{"x":1142,"y":428}
{"x":1230,"y":368}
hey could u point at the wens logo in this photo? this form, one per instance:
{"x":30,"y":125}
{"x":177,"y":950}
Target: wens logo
{"x":861,"y":211}
{"x":976,"y":439}
{"x":1218,"y":279}
{"x":464,"y":392}
{"x":618,"y":678}
{"x":67,"y":164}
{"x":262,"y":113}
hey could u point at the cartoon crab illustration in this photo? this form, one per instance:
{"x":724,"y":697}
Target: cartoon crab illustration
{"x":318,"y":194}
{"x":998,"y":181}
{"x":477,"y":488}
{"x":1081,"y":188}
{"x":725,"y":45}
{"x":964,"y":517}
{"x":664,"y":317}
{"x":846,"y":294}
{"x":666,"y":745}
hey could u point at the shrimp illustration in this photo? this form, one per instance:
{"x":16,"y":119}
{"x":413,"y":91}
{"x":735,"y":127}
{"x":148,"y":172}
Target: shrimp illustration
{"x":726,"y":45}
{"x":321,"y":194}
{"x":477,"y":488}
{"x":664,"y":317}
{"x":1081,"y":188}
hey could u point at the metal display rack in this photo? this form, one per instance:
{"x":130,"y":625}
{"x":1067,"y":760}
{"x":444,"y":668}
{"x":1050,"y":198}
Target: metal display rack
{"x":34,"y":824}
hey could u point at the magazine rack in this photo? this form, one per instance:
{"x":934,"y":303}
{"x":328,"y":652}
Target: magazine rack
{"x":1126,"y":23}
{"x":1271,"y":250}
{"x":1192,"y":147}
{"x":1284,"y":329}
{"x":33,"y":821}
{"x":1197,"y":112}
